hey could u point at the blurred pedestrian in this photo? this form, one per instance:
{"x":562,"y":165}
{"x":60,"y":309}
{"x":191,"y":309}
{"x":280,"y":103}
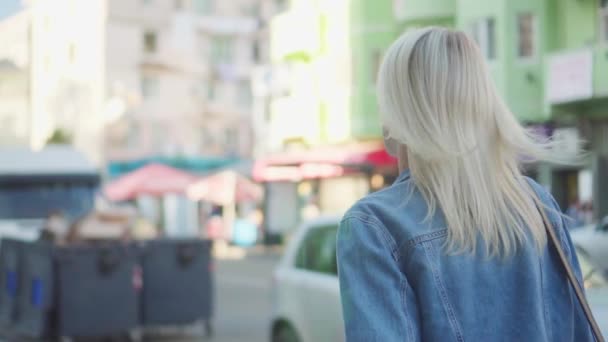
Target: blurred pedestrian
{"x":587,"y":212}
{"x":575,"y":214}
{"x":215,"y":228}
{"x":55,"y":228}
{"x":311,"y":209}
{"x":456,"y":249}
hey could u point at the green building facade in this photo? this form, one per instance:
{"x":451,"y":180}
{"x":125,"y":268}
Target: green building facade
{"x":549,"y":59}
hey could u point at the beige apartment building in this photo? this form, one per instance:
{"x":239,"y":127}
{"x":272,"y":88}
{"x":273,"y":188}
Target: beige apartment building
{"x":52,"y":73}
{"x":14,"y":80}
{"x":130,"y":79}
{"x":183,"y":77}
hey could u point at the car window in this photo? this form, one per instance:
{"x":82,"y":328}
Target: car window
{"x":317,"y":253}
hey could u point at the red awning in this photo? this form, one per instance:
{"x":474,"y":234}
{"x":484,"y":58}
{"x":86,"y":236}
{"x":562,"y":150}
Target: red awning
{"x":152,"y":179}
{"x":321,"y":162}
{"x":223,"y":188}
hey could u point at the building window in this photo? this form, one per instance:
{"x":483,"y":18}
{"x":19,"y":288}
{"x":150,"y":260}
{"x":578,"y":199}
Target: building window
{"x":231,"y":139}
{"x":252,"y":10}
{"x":199,"y":89}
{"x":72,"y":53}
{"x":134,"y":136}
{"x":484,"y":33}
{"x":399,"y":9}
{"x":211,"y":92}
{"x":604,"y":20}
{"x":206,"y":139}
{"x":281,"y":5}
{"x":526,"y":25}
{"x":376,"y":62}
{"x":255,"y":51}
{"x":150,"y":87}
{"x":150,"y":42}
{"x":203,"y":6}
{"x":221,"y":49}
{"x":244,"y":94}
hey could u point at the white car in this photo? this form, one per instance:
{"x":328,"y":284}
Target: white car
{"x":307,"y":304}
{"x":306,"y":299}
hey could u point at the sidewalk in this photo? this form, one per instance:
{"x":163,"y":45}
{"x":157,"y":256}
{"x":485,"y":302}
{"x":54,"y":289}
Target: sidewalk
{"x":224,"y":251}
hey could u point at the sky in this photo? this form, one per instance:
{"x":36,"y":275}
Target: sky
{"x":8,"y":7}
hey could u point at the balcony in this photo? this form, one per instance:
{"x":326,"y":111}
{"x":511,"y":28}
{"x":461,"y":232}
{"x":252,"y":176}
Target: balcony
{"x":420,"y":10}
{"x":221,"y":25}
{"x":579,"y":75}
{"x":232,"y":72}
{"x":173,"y":60}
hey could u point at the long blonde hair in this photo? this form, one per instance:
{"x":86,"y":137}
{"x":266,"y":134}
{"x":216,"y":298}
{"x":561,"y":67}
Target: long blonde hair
{"x":464,"y":145}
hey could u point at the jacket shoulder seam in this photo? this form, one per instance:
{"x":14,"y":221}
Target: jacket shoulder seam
{"x":388,"y":239}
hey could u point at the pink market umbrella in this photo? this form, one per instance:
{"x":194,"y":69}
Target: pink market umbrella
{"x":152,"y":179}
{"x":223,"y":188}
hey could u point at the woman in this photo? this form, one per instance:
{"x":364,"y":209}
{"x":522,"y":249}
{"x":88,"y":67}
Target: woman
{"x":455,"y":249}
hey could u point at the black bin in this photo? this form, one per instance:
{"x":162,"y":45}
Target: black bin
{"x":9,"y":281}
{"x":35,"y":300}
{"x":177,"y":282}
{"x":98,"y":289}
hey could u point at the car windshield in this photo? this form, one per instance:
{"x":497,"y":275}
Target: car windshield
{"x":34,"y":201}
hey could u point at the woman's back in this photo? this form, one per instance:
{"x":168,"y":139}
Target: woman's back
{"x":457,"y":248}
{"x":398,"y":283}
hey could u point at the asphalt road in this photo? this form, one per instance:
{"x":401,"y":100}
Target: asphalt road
{"x":244,"y":299}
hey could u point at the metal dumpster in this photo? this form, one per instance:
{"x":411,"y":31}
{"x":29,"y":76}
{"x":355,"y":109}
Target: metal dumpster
{"x":177,"y":282}
{"x":9,"y":281}
{"x":98,"y":290}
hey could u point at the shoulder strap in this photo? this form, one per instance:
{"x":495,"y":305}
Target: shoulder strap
{"x":580,"y":295}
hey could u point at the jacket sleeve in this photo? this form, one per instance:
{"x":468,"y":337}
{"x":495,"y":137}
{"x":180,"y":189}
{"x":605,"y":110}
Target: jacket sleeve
{"x":371,"y":283}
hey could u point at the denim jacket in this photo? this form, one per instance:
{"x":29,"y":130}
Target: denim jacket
{"x":398,"y":284}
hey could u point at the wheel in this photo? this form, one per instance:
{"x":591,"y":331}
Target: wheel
{"x":285,"y":333}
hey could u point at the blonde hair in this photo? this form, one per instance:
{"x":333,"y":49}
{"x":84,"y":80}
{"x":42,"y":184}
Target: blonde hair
{"x":464,"y":145}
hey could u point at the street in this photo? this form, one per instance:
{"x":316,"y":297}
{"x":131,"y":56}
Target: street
{"x":243,"y":299}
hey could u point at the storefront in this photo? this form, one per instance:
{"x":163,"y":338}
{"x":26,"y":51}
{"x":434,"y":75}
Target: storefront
{"x":301,"y":185}
{"x":577,"y":99}
{"x":569,"y":183}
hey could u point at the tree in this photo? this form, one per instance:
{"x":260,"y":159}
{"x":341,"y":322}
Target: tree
{"x":59,"y":137}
